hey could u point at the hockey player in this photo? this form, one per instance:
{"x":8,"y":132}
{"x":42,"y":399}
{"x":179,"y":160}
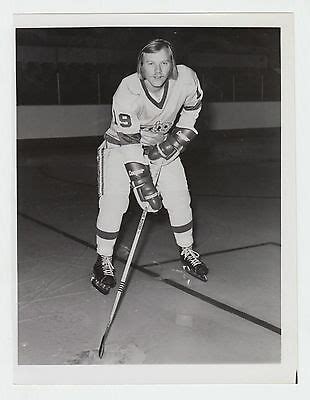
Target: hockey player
{"x":153,"y":115}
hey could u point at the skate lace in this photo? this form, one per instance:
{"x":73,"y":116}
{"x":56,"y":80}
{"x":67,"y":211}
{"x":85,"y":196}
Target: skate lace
{"x":192,"y":256}
{"x":107,"y":266}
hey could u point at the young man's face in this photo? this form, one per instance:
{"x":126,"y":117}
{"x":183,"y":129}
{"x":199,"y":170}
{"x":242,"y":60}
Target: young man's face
{"x":156,"y":67}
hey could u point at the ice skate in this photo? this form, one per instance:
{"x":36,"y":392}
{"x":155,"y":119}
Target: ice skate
{"x":192,"y":264}
{"x":103,"y":278}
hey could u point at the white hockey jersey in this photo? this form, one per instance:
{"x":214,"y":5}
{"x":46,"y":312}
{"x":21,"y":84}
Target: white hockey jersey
{"x":137,"y":117}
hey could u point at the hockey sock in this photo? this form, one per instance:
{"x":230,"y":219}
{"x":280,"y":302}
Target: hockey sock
{"x":105,"y":247}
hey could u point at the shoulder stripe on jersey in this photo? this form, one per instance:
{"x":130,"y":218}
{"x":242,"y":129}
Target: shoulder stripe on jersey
{"x":159,"y":104}
{"x":195,"y":107}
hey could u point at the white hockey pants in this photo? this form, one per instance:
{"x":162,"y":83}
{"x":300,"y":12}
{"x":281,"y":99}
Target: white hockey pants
{"x":114,"y":189}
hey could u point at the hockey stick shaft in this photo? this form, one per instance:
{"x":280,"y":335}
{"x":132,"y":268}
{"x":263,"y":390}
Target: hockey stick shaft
{"x":125,"y":273}
{"x":128,"y":263}
{"x":123,"y":281}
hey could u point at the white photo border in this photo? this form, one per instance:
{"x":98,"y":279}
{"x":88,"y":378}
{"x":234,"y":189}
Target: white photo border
{"x":283,"y":372}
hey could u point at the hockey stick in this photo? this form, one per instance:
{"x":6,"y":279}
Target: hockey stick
{"x":123,"y":281}
{"x":124,"y":276}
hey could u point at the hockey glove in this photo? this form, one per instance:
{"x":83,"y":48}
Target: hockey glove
{"x":176,"y":142}
{"x":143,"y":186}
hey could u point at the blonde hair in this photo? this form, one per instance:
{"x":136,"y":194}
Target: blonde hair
{"x":153,"y":47}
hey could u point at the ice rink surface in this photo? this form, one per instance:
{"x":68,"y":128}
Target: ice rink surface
{"x":166,"y":316}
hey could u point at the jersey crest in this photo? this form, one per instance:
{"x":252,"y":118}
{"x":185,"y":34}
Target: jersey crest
{"x":158,"y":128}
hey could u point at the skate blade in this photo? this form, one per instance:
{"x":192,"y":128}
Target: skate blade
{"x":104,"y":289}
{"x":202,"y":278}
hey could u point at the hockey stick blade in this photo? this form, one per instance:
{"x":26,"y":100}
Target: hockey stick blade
{"x":102,"y":344}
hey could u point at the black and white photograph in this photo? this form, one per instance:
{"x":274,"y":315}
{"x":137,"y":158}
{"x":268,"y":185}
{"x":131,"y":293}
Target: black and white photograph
{"x":149,"y":167}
